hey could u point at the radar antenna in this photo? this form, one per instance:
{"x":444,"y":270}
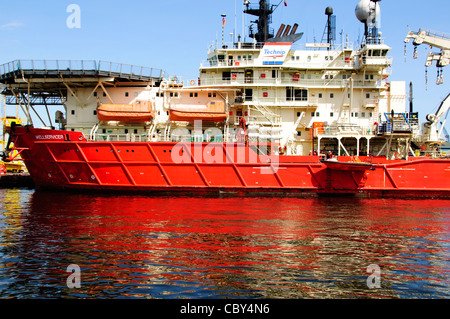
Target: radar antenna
{"x":264,"y":33}
{"x":330,"y":28}
{"x":368,"y":12}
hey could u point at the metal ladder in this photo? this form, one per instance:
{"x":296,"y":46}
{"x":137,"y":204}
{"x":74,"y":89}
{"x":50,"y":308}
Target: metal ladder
{"x":268,"y":114}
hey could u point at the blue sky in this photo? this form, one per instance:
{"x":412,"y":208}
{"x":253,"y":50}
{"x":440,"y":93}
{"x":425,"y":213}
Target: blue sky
{"x":174,"y":34}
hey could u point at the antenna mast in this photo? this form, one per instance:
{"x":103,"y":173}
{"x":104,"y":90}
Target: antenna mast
{"x":330,"y":28}
{"x":264,"y":14}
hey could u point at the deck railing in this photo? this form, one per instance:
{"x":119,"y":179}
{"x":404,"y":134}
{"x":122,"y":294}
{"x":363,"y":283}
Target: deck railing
{"x":290,"y":81}
{"x":73,"y":67}
{"x":344,"y":130}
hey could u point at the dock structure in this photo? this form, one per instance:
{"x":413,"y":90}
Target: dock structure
{"x":16,"y":180}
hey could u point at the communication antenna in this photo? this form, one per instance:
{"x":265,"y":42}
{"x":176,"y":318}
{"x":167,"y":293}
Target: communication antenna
{"x":368,"y":12}
{"x":330,"y":28}
{"x":264,"y":13}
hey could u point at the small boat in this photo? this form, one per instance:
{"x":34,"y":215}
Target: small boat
{"x":214,"y":111}
{"x":140,"y":111}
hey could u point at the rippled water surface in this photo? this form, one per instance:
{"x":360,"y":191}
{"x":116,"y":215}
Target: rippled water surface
{"x":194,"y":247}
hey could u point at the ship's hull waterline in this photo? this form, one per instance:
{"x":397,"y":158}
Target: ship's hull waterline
{"x":66,"y":160}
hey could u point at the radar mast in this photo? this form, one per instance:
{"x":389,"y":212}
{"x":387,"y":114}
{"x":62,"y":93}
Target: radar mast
{"x":264,"y":14}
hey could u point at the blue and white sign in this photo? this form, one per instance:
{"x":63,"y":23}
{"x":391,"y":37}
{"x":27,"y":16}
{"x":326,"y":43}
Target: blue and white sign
{"x":274,"y":53}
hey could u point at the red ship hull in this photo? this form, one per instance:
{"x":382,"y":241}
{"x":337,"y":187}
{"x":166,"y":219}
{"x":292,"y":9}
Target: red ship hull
{"x":66,"y":160}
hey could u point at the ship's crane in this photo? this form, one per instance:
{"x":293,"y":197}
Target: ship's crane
{"x":436,"y":40}
{"x":430,"y":132}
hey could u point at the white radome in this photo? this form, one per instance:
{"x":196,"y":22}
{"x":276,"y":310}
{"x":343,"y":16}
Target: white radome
{"x":364,"y":11}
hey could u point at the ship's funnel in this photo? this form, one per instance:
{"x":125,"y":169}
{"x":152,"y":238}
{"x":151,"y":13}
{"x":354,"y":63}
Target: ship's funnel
{"x":280,"y":31}
{"x":294,"y":29}
{"x":286,"y":32}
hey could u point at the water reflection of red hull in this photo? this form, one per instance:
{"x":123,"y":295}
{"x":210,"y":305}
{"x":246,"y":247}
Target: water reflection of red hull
{"x":61,"y":159}
{"x":196,"y":247}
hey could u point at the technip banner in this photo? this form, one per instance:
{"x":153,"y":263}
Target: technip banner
{"x":275,"y":53}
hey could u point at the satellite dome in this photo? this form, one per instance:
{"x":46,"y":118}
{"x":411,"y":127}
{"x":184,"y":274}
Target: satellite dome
{"x":367,"y":11}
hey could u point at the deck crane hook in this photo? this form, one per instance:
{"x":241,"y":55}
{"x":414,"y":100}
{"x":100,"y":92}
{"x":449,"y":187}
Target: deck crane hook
{"x":415,"y":54}
{"x":436,"y":40}
{"x":440,"y":76}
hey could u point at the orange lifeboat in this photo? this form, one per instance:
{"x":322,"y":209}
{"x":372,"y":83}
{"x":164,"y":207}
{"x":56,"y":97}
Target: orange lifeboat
{"x":214,"y":111}
{"x":140,"y":111}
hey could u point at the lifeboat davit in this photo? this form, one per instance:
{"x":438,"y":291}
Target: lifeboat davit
{"x":140,"y":111}
{"x":212,"y":112}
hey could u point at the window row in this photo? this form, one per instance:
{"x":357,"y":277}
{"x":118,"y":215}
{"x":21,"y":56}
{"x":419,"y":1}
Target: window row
{"x":126,"y":94}
{"x":353,"y":114}
{"x":195,"y":94}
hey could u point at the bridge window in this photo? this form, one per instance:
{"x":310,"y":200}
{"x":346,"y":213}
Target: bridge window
{"x":226,"y":76}
{"x":296,"y":94}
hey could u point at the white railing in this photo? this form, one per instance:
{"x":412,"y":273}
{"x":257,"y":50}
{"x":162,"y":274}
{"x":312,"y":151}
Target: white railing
{"x":348,"y":130}
{"x":376,"y":60}
{"x":372,"y":102}
{"x":121,"y":137}
{"x":437,"y":34}
{"x":259,"y":119}
{"x":156,"y":138}
{"x":333,"y":62}
{"x":339,"y":83}
{"x":81,"y":67}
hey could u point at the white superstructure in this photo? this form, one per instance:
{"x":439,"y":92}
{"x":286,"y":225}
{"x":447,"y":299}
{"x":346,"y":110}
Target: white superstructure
{"x":316,"y":97}
{"x":310,"y":98}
